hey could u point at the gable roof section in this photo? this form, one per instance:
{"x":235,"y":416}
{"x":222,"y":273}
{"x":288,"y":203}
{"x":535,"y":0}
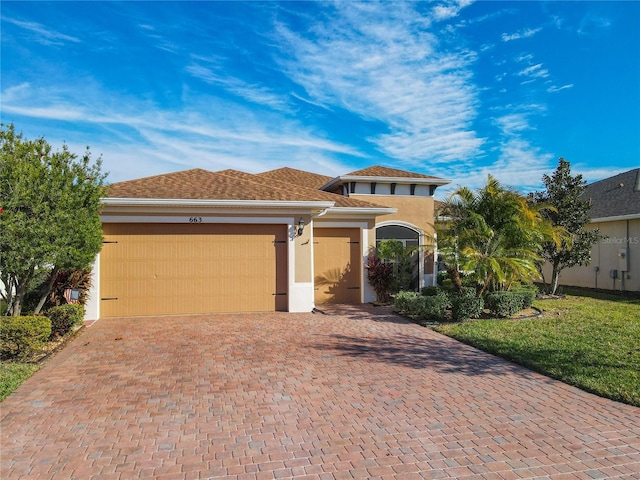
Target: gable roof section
{"x":614,"y":197}
{"x":199,"y":184}
{"x":385,"y":174}
{"x":226,"y":185}
{"x":304,"y":192}
{"x":296,"y":177}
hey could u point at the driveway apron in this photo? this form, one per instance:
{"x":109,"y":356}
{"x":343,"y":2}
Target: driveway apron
{"x":352,"y":393}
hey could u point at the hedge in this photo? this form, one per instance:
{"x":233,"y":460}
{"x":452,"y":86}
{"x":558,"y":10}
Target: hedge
{"x":464,"y":307}
{"x":64,"y":318}
{"x":23,"y":336}
{"x":528,"y":294}
{"x":503,"y":303}
{"x":420,"y":307}
{"x":403,"y":300}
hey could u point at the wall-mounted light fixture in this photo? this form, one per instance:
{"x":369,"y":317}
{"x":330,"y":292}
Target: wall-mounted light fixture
{"x":300,"y":226}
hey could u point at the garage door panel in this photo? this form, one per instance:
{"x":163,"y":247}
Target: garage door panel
{"x":172,"y":269}
{"x":337,"y":265}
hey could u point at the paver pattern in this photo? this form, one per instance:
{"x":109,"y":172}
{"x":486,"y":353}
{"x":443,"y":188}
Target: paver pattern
{"x":353,"y":393}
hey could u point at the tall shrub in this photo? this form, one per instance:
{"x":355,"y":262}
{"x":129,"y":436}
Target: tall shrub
{"x":64,"y":318}
{"x":23,"y":336}
{"x":380,"y":276}
{"x":464,"y":307}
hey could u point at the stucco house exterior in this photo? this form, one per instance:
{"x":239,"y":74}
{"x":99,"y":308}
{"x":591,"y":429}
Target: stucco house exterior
{"x":198,"y":241}
{"x":615,"y":260}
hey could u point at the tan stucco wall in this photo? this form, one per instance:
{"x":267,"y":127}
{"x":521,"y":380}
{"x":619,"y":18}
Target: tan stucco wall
{"x":415,"y":210}
{"x":620,"y":235}
{"x":303,"y":257}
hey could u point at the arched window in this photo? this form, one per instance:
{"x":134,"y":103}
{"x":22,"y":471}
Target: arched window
{"x":407,"y":236}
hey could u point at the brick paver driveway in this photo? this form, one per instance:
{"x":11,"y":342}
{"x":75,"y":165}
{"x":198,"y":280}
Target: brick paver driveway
{"x":348,"y":394}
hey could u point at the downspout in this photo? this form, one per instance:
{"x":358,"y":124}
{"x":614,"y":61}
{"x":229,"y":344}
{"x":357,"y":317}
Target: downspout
{"x":627,"y":240}
{"x":313,"y":217}
{"x":435,"y":260}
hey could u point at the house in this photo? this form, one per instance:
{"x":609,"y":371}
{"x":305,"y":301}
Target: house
{"x":615,"y":259}
{"x":198,"y":241}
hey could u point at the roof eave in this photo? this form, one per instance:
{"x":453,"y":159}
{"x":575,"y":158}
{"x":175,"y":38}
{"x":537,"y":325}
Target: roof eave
{"x":181,"y":202}
{"x":616,"y":218}
{"x":358,"y":178}
{"x":368,"y":211}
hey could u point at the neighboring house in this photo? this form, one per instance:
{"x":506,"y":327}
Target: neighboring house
{"x":198,"y":241}
{"x":615,"y":211}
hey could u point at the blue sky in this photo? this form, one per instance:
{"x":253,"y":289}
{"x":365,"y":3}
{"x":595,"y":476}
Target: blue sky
{"x":456,"y":89}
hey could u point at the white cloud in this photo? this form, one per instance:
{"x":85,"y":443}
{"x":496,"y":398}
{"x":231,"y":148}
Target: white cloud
{"x":137,"y":138}
{"x":449,"y":10}
{"x":554,"y":88}
{"x":520,"y":165}
{"x":526,"y":33}
{"x":591,"y":23}
{"x":380,"y":64}
{"x":534,"y":71}
{"x":259,"y":95}
{"x":512,"y":123}
{"x":43,"y":34}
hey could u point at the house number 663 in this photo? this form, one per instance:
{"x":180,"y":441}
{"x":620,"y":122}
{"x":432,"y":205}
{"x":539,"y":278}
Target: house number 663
{"x":195,"y":219}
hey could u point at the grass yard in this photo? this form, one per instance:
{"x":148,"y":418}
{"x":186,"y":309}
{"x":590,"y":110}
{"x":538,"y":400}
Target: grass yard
{"x":591,"y":342}
{"x":12,"y":374}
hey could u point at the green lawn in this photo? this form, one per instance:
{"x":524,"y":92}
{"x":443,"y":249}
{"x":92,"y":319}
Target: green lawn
{"x":12,"y":374}
{"x":591,"y":342}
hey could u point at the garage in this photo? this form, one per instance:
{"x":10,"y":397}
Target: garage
{"x":172,"y":269}
{"x":337,"y":265}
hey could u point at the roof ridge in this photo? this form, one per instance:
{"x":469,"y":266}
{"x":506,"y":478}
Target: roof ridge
{"x":372,"y":171}
{"x":286,"y":187}
{"x":163,"y":175}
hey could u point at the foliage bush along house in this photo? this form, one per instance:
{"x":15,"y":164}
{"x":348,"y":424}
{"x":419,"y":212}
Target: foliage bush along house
{"x":438,"y":304}
{"x":380,"y":276}
{"x":21,"y":337}
{"x":64,"y":318}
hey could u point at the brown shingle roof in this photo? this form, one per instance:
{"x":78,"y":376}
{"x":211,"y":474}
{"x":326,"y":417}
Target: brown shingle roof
{"x":303,"y":191}
{"x":298,"y":177}
{"x":199,"y":184}
{"x":380,"y":171}
{"x":615,"y":196}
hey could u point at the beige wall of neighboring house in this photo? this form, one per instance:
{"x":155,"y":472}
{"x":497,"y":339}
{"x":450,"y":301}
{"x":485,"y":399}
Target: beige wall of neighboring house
{"x":615,"y":259}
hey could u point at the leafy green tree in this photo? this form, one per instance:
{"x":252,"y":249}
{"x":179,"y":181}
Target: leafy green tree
{"x":493,"y":235}
{"x":49,"y":215}
{"x":571,"y":211}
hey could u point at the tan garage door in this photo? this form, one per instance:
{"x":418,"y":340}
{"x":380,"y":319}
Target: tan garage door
{"x":337,"y":263}
{"x":156,"y":269}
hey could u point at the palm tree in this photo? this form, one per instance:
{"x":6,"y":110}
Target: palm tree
{"x":493,"y":234}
